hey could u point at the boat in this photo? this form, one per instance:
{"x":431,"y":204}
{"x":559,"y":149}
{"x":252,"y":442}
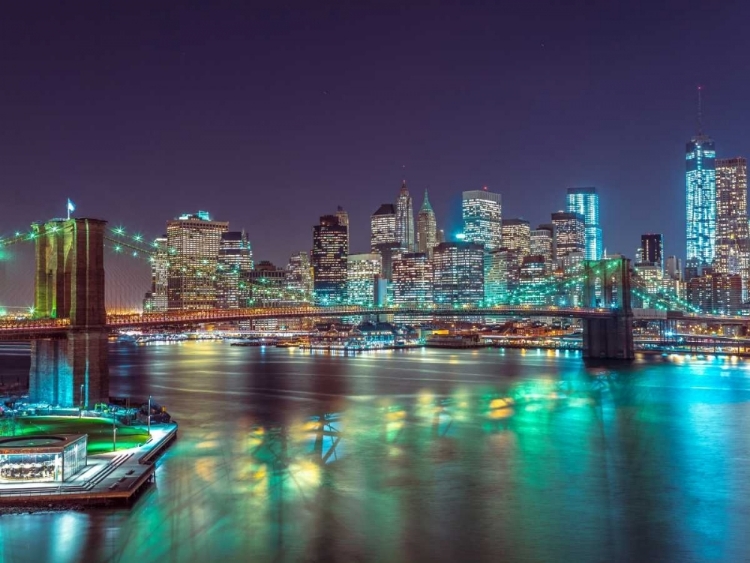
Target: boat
{"x":288,"y":344}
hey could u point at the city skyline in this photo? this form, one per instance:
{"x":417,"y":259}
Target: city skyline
{"x":150,"y":118}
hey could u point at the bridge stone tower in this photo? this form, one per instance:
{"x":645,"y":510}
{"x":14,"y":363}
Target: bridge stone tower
{"x":607,"y":285}
{"x":69,"y":283}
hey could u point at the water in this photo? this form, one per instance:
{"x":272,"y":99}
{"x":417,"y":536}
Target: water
{"x":422,"y":455}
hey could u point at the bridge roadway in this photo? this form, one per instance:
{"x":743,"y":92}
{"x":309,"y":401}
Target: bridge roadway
{"x":35,"y":328}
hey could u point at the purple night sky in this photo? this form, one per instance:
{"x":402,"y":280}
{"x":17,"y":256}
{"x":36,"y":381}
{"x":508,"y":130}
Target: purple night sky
{"x":269,"y":118}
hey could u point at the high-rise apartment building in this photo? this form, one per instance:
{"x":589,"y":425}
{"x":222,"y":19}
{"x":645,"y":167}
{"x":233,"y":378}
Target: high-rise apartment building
{"x":329,"y":261}
{"x":193,"y":243}
{"x":412,"y":280}
{"x":362,"y":273}
{"x":383,"y":226}
{"x":405,"y":220}
{"x":732,"y":237}
{"x":458,"y":270}
{"x":156,"y":299}
{"x":482,"y":215}
{"x":700,"y":189}
{"x":570,"y":233}
{"x":235,"y":263}
{"x":586,"y":202}
{"x":652,"y":249}
{"x":299,"y":279}
{"x":426,"y":227}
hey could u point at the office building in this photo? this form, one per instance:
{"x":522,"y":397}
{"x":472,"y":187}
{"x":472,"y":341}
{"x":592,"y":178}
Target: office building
{"x":405,"y":220}
{"x":458,"y":270}
{"x":426,"y":227}
{"x":299,"y":278}
{"x":235,"y":263}
{"x":344,"y":220}
{"x":732,"y":237}
{"x":586,"y":202}
{"x":516,"y":236}
{"x":700,"y":189}
{"x":267,"y":284}
{"x":482,"y":215}
{"x":716,"y":293}
{"x":570,"y":233}
{"x":156,"y":300}
{"x":652,"y":249}
{"x":329,"y":261}
{"x":542,"y":243}
{"x":362,"y":274}
{"x":193,"y":242}
{"x":383,"y":226}
{"x":412,"y":280}
{"x":535,"y":286}
{"x":674,"y":268}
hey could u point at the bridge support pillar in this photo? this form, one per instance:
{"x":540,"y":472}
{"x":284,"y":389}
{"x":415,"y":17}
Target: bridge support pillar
{"x":71,"y":371}
{"x":610,"y":338}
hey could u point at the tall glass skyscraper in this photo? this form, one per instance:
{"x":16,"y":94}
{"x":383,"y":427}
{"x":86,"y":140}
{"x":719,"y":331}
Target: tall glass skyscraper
{"x":426,"y":227}
{"x":700,"y":189}
{"x":732,"y":236}
{"x":482,"y":214}
{"x":586,"y":202}
{"x":329,"y":261}
{"x":405,"y":220}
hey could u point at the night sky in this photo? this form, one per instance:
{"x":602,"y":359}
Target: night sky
{"x":269,"y":118}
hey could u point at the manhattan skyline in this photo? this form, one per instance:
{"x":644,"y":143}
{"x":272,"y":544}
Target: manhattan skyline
{"x":253,"y":117}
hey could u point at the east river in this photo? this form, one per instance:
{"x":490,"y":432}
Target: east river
{"x":421,"y":455}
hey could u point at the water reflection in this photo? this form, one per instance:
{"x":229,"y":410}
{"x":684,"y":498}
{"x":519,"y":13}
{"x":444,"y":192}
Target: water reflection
{"x":426,"y":455}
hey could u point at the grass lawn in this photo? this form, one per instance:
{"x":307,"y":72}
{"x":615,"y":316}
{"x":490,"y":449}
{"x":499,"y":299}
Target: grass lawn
{"x":98,"y":429}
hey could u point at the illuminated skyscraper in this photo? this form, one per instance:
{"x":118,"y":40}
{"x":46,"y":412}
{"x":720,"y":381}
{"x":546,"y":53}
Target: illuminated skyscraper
{"x":570,"y":233}
{"x":412,"y":280}
{"x":405,"y":220}
{"x":235,"y":263}
{"x":299,"y":278}
{"x":517,"y":237}
{"x":732,"y":244}
{"x":362,"y":273}
{"x":700,"y":189}
{"x":543,"y":243}
{"x":652,"y":249}
{"x":193,"y":243}
{"x":482,"y":215}
{"x":426,"y":227}
{"x":383,"y":226}
{"x":329,"y":261}
{"x":344,"y":220}
{"x":156,"y":299}
{"x":586,"y":202}
{"x":459,"y":274}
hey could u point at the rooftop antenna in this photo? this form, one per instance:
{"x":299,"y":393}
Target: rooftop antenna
{"x":700,"y":110}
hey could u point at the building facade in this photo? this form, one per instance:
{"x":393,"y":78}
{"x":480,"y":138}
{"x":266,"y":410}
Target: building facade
{"x":362,"y":274}
{"x":235,"y":263}
{"x":458,"y":270}
{"x":700,"y":190}
{"x":516,"y":235}
{"x":482,"y":215}
{"x":405,"y":220}
{"x":156,"y":300}
{"x":329,"y":261}
{"x":732,"y":236}
{"x":193,"y":243}
{"x":542,"y":243}
{"x":299,"y":278}
{"x":412,"y":280}
{"x":383,"y":226}
{"x":570,"y":233}
{"x":426,"y":227}
{"x":586,"y":202}
{"x":652,"y":249}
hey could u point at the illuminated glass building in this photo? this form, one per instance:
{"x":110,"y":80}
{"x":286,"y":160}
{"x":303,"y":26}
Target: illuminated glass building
{"x":426,"y":227}
{"x":542,"y":243}
{"x":329,"y":261}
{"x":405,"y":220}
{"x":156,"y":300}
{"x":235,"y":263}
{"x":732,"y":237}
{"x":516,"y":235}
{"x":458,"y":269}
{"x":299,"y":279}
{"x":570,"y":233}
{"x":383,"y":226}
{"x":193,"y":243}
{"x":535,"y":286}
{"x":496,"y":280}
{"x":482,"y":215}
{"x":586,"y":202}
{"x":362,"y":273}
{"x":412,"y":280}
{"x":344,"y":220}
{"x":700,"y":188}
{"x":267,"y":284}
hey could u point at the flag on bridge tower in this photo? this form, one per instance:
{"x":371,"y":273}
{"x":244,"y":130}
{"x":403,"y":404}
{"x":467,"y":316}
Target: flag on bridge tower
{"x":71,"y":207}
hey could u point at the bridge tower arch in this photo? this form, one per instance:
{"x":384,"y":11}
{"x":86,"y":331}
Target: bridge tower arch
{"x":607,"y":285}
{"x":69,"y":284}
